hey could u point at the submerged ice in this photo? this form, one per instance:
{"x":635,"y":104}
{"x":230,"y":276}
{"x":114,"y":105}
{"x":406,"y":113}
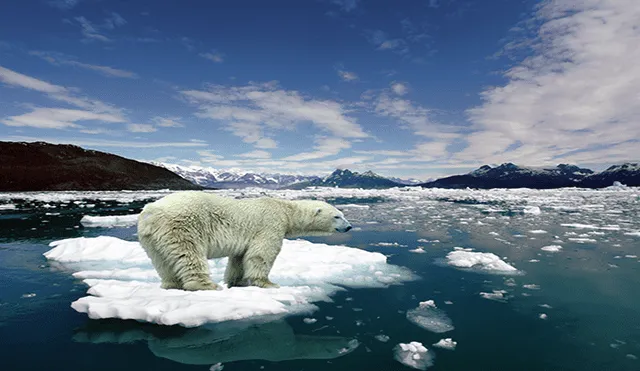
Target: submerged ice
{"x":123,"y":284}
{"x":428,"y":316}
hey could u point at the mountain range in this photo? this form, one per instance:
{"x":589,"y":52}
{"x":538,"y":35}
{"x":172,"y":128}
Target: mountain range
{"x":509,"y":175}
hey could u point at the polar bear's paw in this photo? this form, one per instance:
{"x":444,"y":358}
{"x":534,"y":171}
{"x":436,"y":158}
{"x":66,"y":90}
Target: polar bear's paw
{"x":199,"y":286}
{"x":264,"y":283}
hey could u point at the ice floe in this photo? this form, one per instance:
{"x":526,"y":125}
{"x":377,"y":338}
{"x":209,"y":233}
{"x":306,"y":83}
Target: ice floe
{"x":414,"y":355}
{"x":428,"y":316}
{"x":123,"y":284}
{"x":551,"y":248}
{"x":382,"y":338}
{"x":110,"y":220}
{"x":480,"y":261}
{"x":497,"y":295}
{"x":447,"y":343}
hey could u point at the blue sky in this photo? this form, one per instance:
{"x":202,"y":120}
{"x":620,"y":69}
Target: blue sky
{"x":417,"y":88}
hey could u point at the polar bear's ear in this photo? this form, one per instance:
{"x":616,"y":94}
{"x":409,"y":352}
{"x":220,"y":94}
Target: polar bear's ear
{"x":318,"y":210}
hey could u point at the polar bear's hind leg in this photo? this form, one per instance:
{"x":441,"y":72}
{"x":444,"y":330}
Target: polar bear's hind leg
{"x":234,"y":273}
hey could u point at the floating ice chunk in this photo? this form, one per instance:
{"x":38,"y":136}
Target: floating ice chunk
{"x":484,"y":262}
{"x":631,"y":256}
{"x":447,"y":343}
{"x":7,"y":207}
{"x":430,"y":317}
{"x":534,"y":261}
{"x":30,"y":295}
{"x":590,"y":226}
{"x":551,"y":248}
{"x":582,"y":240}
{"x":418,"y":250}
{"x":534,"y":210}
{"x":388,"y":244}
{"x":531,"y":287}
{"x":632,"y":356}
{"x":217,"y":367}
{"x":414,"y":355}
{"x":543,"y":316}
{"x":633,"y":233}
{"x":351,"y":206}
{"x":123,"y":284}
{"x":382,"y":338}
{"x":538,"y":231}
{"x":497,"y":295}
{"x":546,"y":306}
{"x":309,"y":321}
{"x":494,"y":233}
{"x":110,"y":220}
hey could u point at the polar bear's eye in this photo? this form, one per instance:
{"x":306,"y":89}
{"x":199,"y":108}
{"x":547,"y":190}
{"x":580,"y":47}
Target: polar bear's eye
{"x":336,"y":217}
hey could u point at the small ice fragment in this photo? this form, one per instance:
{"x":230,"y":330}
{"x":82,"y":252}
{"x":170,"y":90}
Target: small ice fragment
{"x":359,"y":322}
{"x":534,"y":261}
{"x":551,"y":248}
{"x":382,"y":338}
{"x":631,"y":356}
{"x":510,"y":282}
{"x":531,"y":286}
{"x":546,"y":306}
{"x":447,"y":343}
{"x":448,"y":302}
{"x":328,"y":318}
{"x":538,"y":231}
{"x":309,"y":321}
{"x":542,"y":316}
{"x":430,"y":317}
{"x":413,"y":355}
{"x":109,"y":220}
{"x":497,"y":295}
{"x":631,"y":256}
{"x":418,"y":250}
{"x":30,"y":295}
{"x":217,"y":367}
{"x":351,"y":346}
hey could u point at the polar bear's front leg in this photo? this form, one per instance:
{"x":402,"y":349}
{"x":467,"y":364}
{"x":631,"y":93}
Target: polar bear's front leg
{"x":258,"y":261}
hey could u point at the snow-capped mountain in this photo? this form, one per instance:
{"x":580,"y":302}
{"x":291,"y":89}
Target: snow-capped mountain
{"x":344,"y":178}
{"x":233,"y":178}
{"x":509,"y":175}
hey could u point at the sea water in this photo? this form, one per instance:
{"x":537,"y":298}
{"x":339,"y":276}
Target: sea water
{"x":499,"y":279}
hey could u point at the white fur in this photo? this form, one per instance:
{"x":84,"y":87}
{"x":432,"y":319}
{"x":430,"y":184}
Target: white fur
{"x":181,"y":231}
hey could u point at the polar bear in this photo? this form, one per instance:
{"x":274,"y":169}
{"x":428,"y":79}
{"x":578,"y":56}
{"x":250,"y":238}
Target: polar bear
{"x":179,"y":232}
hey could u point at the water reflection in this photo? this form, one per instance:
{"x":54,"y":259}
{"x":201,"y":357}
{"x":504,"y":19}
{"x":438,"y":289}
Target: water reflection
{"x":222,"y":343}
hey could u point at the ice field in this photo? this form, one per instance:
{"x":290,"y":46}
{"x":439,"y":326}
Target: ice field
{"x":427,"y":279}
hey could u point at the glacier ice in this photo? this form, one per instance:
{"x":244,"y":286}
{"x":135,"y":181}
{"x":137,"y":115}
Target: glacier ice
{"x":123,"y":284}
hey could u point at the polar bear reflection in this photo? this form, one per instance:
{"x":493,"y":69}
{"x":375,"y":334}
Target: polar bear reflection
{"x":273,"y":341}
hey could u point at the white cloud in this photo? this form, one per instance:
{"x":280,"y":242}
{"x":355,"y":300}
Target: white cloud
{"x":56,"y":92}
{"x":253,"y":112}
{"x":399,"y":88}
{"x":63,"y":4}
{"x":382,"y":42}
{"x":168,"y":122}
{"x":213,"y":56}
{"x":101,"y":143}
{"x":94,"y":32}
{"x":256,"y":154}
{"x":324,"y":147}
{"x":141,"y":128}
{"x":57,"y":118}
{"x":347,"y":76}
{"x":578,"y":90}
{"x":10,"y":77}
{"x":60,"y":59}
{"x":346,"y":5}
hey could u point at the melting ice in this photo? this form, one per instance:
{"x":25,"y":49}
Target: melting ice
{"x":123,"y":284}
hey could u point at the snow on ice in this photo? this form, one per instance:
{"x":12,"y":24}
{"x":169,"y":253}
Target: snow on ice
{"x":123,"y":284}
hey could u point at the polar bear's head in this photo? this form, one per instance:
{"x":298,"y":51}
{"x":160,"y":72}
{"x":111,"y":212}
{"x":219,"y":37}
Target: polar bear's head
{"x":319,"y":218}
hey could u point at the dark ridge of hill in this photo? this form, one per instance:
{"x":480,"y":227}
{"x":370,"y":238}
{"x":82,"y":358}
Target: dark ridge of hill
{"x":41,"y":166}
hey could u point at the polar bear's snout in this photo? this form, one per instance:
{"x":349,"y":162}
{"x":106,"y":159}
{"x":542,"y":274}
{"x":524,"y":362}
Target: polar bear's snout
{"x":342,"y":225}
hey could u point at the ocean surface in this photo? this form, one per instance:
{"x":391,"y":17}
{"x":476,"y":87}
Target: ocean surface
{"x":560,"y":292}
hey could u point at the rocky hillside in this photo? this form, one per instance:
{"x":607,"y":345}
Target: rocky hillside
{"x":627,"y":174}
{"x":41,"y":166}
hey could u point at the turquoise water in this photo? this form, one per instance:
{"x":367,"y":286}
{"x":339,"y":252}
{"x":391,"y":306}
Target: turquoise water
{"x":588,"y":290}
